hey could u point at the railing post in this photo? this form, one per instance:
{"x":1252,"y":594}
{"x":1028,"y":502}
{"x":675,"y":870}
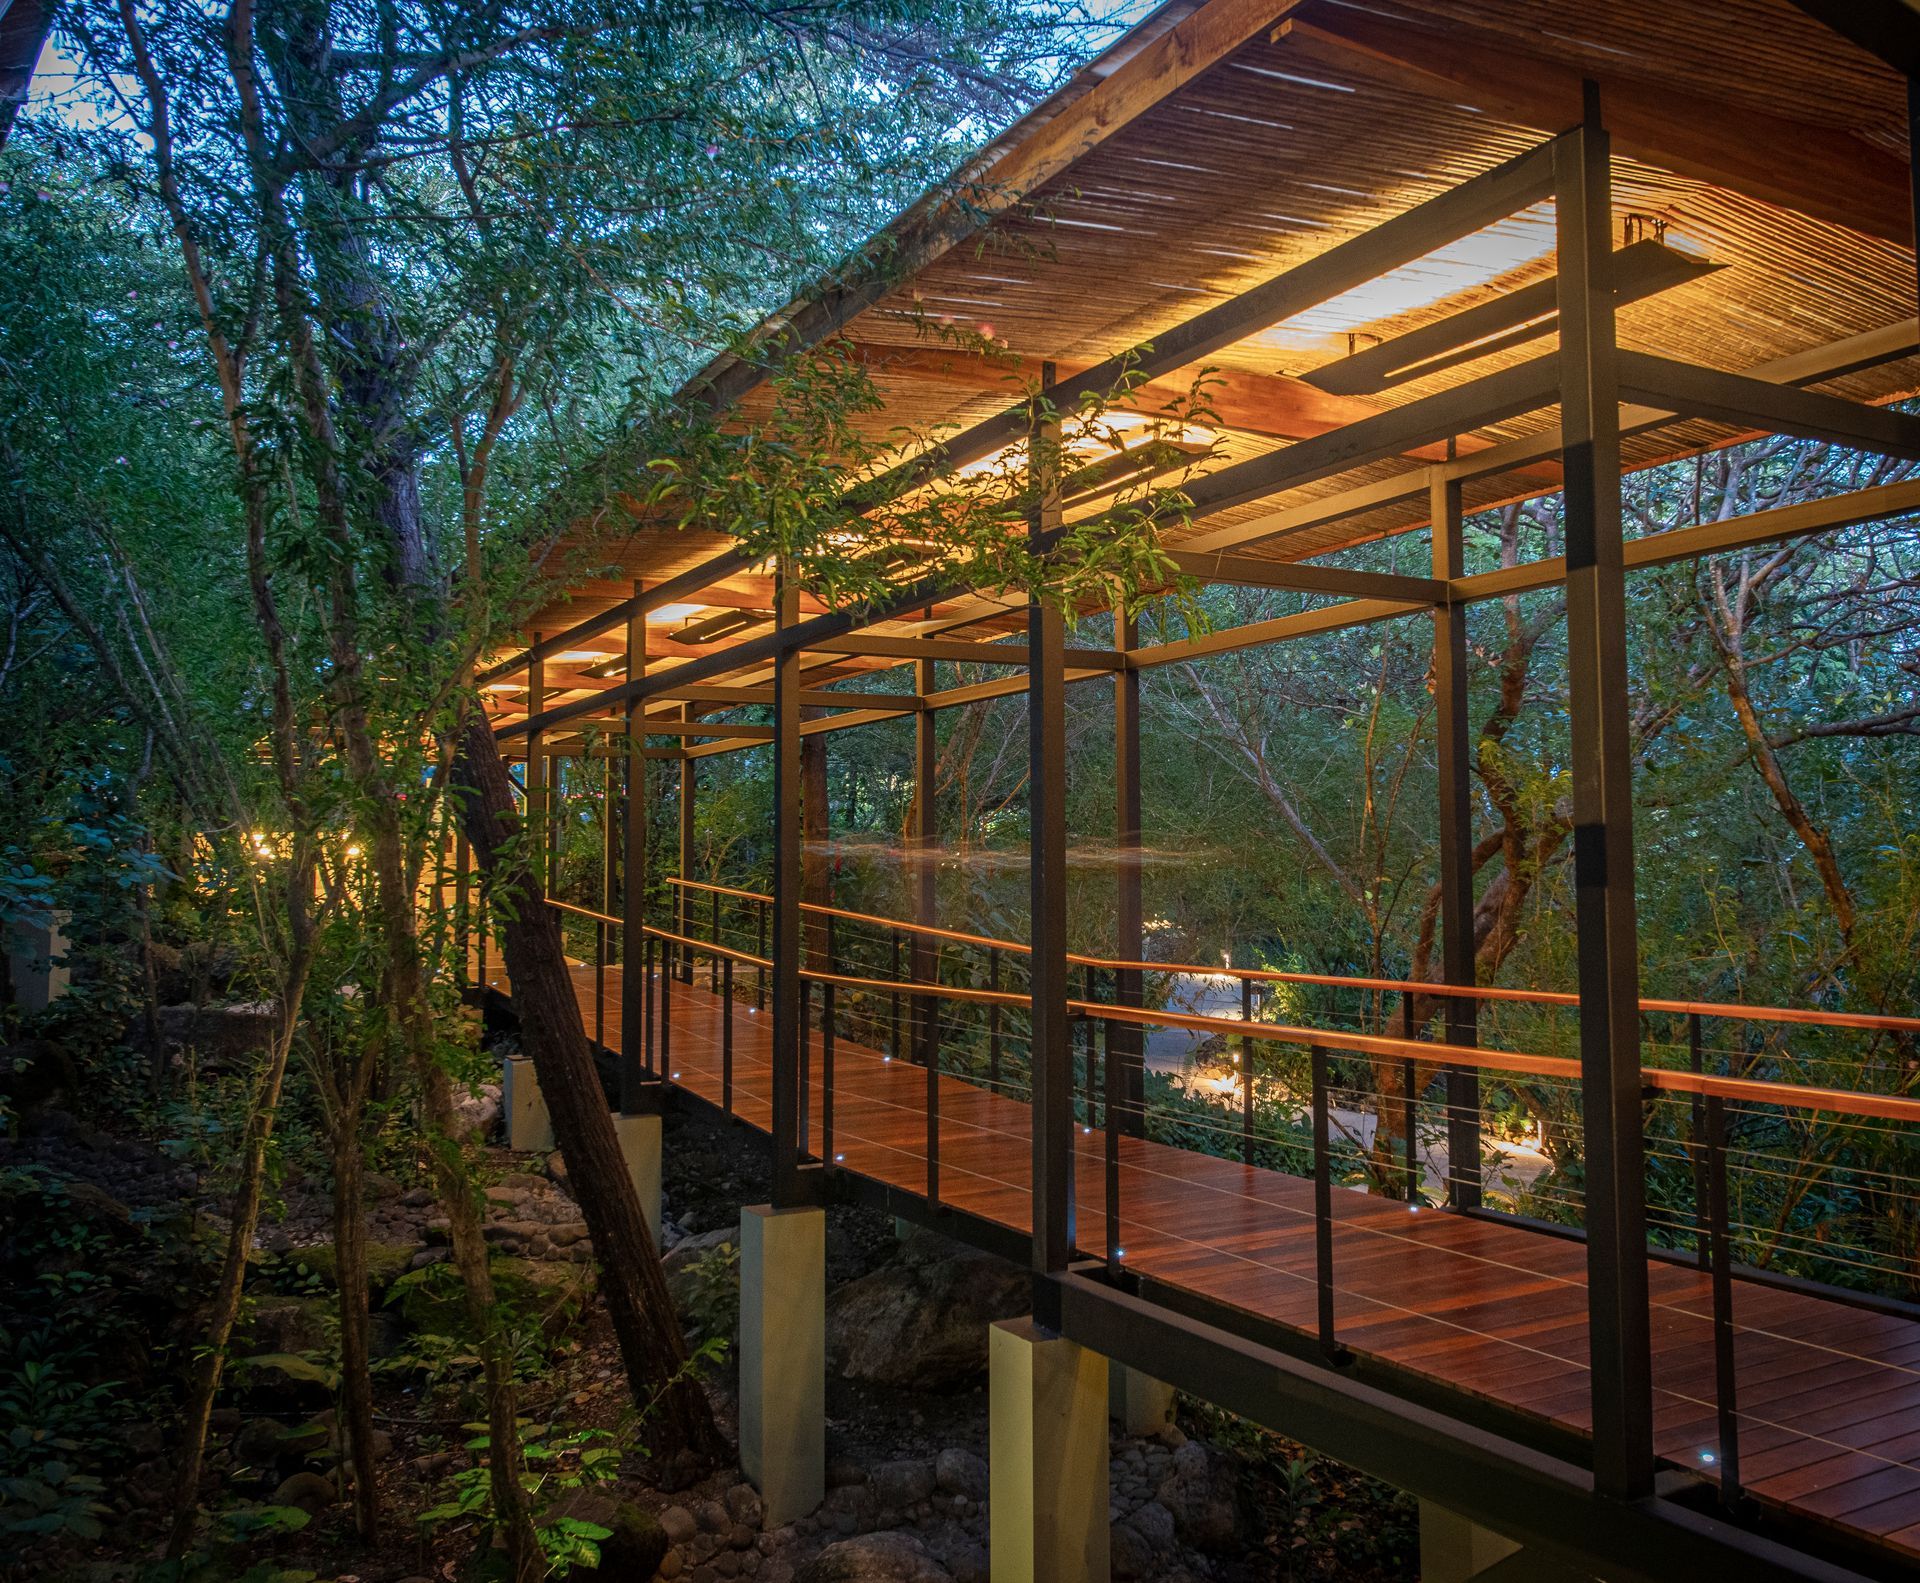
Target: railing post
{"x":923,"y":835}
{"x":1117,"y":1109}
{"x":726,"y":1036}
{"x":790,"y":1189}
{"x":648,"y":955}
{"x":993,"y":1021}
{"x":486,"y":928}
{"x":1601,"y":763}
{"x":1051,"y":1050}
{"x":1726,"y":1393}
{"x":933,"y":1122}
{"x":599,"y":983}
{"x":535,"y":779}
{"x":1702,"y":1219}
{"x":666,"y":1009}
{"x":1129,"y":983}
{"x":826,"y":1070}
{"x":634,"y":955}
{"x":1409,"y":1103}
{"x":760,"y":950}
{"x":1323,"y":1207}
{"x":893,"y":1045}
{"x":683,"y":897}
{"x":1246,"y":1073}
{"x":713,"y":962}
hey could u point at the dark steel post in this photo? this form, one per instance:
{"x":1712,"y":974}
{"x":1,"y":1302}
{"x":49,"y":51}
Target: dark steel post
{"x":923,"y":834}
{"x":1050,"y":1046}
{"x":893,"y":1046}
{"x":1323,"y":1205}
{"x":713,"y":961}
{"x":1602,"y":772}
{"x":1409,"y":1104}
{"x":647,"y":954}
{"x":1702,"y":1233}
{"x":666,"y":1010}
{"x":1117,"y":1111}
{"x":1455,"y":765}
{"x":726,"y":1036}
{"x":993,"y":1020}
{"x":826,"y":1071}
{"x":633,"y":872}
{"x":1726,"y":1393}
{"x":1246,"y":1073}
{"x":760,"y":950}
{"x":789,"y":1003}
{"x":1129,"y":985}
{"x":683,"y":898}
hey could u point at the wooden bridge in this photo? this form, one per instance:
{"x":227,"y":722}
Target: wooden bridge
{"x":1800,"y":1404}
{"x":1387,"y":239}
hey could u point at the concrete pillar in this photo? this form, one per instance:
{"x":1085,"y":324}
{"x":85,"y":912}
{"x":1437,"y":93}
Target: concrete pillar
{"x":640,"y":1148}
{"x":1452,"y":1549}
{"x":1138,"y":1403}
{"x":35,"y":962}
{"x":1047,"y":1457}
{"x":529,"y":1126}
{"x":783,"y":1357}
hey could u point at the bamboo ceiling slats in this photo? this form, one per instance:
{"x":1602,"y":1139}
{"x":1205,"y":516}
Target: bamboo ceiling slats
{"x":1222,"y":164}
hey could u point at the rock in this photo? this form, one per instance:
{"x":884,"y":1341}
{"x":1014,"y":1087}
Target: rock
{"x":635,"y":1544}
{"x":745,"y":1506}
{"x":960,"y":1472}
{"x":959,"y":1552}
{"x":679,"y":1525}
{"x":478,"y":1111}
{"x":557,"y":1168}
{"x":379,"y":1187}
{"x":844,"y":1470}
{"x":219,"y":1033}
{"x":1203,"y":1494}
{"x":670,"y":1565}
{"x":288,"y":1324}
{"x":523,"y":1182}
{"x":921,"y":1320}
{"x":260,"y":1443}
{"x":902,"y":1485}
{"x":386,"y":1263}
{"x":874,"y":1558}
{"x":417,"y":1198}
{"x":308,"y":1491}
{"x":689,"y":1249}
{"x":713,"y":1516}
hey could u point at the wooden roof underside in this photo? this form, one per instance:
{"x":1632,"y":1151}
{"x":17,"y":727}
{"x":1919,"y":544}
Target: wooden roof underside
{"x":1221,"y":144}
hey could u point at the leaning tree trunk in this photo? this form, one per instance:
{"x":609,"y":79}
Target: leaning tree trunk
{"x":354,"y":1422}
{"x":632,"y":1282}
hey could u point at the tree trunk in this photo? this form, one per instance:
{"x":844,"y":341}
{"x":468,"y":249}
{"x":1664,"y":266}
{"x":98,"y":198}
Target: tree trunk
{"x":355,"y":1418}
{"x":632,"y":1282}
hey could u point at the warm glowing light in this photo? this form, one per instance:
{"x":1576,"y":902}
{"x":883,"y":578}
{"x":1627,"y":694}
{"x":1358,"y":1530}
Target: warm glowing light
{"x":582,"y":657}
{"x":504,"y":687}
{"x":666,"y":613}
{"x":353,"y":851}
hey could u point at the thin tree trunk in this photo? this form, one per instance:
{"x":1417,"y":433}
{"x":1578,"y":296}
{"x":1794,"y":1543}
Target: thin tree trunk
{"x":632,"y":1283}
{"x":355,"y":1419}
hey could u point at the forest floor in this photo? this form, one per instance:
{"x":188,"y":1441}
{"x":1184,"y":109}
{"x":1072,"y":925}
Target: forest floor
{"x":105,"y":1241}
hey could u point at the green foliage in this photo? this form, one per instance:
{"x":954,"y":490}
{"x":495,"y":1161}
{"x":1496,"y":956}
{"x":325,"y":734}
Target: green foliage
{"x":707,"y":1292}
{"x":558,"y":1462}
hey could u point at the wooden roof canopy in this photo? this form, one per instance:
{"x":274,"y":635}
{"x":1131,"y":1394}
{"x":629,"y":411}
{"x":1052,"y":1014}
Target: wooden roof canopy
{"x":1763,"y":221}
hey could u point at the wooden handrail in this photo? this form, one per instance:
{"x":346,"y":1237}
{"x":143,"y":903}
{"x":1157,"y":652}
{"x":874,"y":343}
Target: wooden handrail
{"x":584,"y":912}
{"x":1799,"y":1096}
{"x":1864,"y":1022}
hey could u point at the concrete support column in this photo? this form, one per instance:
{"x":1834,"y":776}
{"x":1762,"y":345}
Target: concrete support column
{"x":1138,"y":1403}
{"x":36,"y":962}
{"x":1047,"y":1457}
{"x":640,"y":1147}
{"x":1453,"y":1549}
{"x":529,"y":1126}
{"x":783,"y":1357}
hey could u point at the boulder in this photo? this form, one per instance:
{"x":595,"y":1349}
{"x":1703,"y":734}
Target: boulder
{"x":477,"y":1112}
{"x":386,"y":1263}
{"x":635,"y":1545}
{"x":874,"y":1558}
{"x":960,"y":1472}
{"x":220,"y":1033}
{"x":901,"y":1486}
{"x":310,"y":1492}
{"x":1204,"y":1495}
{"x":921,"y":1320}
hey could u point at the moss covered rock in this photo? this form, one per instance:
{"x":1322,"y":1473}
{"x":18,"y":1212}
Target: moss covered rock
{"x":386,"y":1262}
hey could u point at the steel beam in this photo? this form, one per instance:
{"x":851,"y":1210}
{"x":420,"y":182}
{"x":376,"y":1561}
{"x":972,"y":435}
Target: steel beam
{"x":1126,"y":1041}
{"x":633,"y":879}
{"x":1455,"y":766}
{"x":1739,"y":399}
{"x":789,"y":1008}
{"x":1602,"y":771}
{"x":1051,"y":1049}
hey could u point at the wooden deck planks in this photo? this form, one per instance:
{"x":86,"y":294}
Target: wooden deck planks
{"x":1829,"y":1394}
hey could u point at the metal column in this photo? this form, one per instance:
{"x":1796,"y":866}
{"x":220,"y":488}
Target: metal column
{"x":683,"y":911}
{"x":1455,"y":763}
{"x":1126,"y":1041}
{"x":633,"y":871}
{"x":924,"y":838}
{"x":790,"y":1186}
{"x":1603,"y":820}
{"x":1052,"y":1049}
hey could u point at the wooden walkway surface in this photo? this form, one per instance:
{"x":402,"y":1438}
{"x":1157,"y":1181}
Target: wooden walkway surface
{"x":1829,"y":1394}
